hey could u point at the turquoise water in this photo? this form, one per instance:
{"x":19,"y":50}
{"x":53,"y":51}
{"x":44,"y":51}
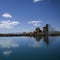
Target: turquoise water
{"x":30,"y":48}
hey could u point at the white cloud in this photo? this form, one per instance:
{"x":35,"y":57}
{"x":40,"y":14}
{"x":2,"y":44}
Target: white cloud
{"x":35,"y":1}
{"x":34,"y":23}
{"x":8,"y":24}
{"x":7,"y":15}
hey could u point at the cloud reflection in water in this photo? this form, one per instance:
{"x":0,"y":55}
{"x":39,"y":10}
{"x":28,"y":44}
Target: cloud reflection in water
{"x":7,"y":53}
{"x":8,"y":43}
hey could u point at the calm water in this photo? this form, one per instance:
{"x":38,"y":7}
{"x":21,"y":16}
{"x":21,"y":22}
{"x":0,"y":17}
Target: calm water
{"x":30,"y":48}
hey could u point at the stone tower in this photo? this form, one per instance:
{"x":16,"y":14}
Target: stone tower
{"x":45,"y":30}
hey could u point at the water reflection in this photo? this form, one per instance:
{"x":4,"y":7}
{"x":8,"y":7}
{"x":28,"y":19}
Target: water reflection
{"x":45,"y":39}
{"x":36,"y":43}
{"x":7,"y":53}
{"x":14,"y":43}
{"x":38,"y":38}
{"x":17,"y":46}
{"x":7,"y":43}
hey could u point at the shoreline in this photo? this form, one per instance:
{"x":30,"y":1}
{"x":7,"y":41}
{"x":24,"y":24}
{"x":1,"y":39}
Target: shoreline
{"x":27,"y":34}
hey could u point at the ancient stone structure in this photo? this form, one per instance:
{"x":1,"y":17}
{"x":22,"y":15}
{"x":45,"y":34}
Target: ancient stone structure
{"x":45,"y":30}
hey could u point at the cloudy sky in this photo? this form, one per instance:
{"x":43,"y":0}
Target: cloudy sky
{"x":25,"y":15}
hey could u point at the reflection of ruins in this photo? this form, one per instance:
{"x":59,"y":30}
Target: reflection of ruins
{"x":38,"y":38}
{"x":45,"y":39}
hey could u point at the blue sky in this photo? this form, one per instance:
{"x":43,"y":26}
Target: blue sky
{"x":25,"y":15}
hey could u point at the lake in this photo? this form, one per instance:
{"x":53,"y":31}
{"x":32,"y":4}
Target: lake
{"x":30,"y":48}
